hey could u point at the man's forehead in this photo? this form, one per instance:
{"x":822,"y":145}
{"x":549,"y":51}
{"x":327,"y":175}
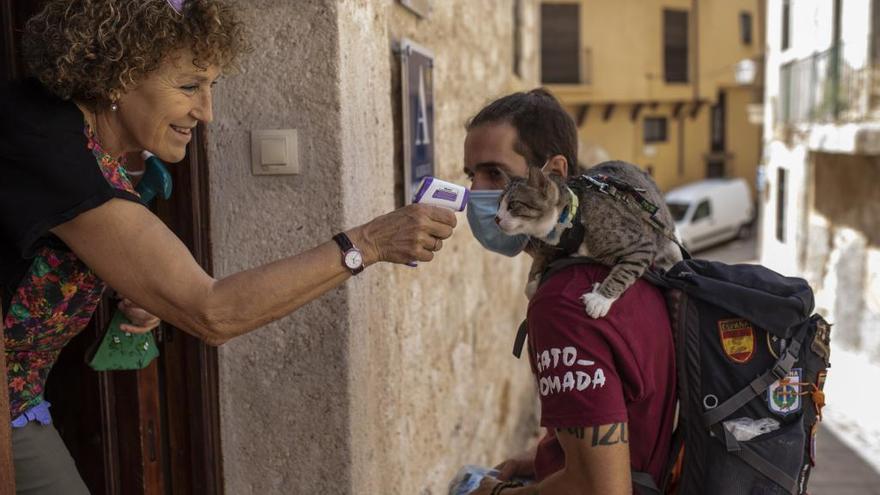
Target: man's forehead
{"x":489,"y":143}
{"x":494,"y":133}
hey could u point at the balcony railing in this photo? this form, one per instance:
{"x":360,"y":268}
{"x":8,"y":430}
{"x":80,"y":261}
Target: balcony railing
{"x":825,"y":88}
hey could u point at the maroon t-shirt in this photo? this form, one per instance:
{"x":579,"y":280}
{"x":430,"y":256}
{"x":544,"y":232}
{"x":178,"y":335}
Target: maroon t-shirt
{"x":615,"y":369}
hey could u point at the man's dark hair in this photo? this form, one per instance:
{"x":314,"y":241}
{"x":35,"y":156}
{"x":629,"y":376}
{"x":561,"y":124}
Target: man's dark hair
{"x":544,"y":129}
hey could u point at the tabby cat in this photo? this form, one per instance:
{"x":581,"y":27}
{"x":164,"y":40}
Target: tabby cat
{"x":615,"y":234}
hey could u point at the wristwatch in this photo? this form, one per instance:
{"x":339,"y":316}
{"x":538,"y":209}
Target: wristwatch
{"x":352,"y":258}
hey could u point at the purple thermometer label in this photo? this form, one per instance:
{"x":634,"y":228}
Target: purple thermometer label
{"x":445,"y":195}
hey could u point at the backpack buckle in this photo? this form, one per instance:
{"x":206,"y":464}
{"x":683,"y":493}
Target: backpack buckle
{"x":784,"y":364}
{"x":601,"y":186}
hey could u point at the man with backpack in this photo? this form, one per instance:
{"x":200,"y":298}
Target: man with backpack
{"x":607,"y":386}
{"x":740,"y":344}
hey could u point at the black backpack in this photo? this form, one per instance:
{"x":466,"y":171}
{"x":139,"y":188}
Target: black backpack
{"x":747,"y":347}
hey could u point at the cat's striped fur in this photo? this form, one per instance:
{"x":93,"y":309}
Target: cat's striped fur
{"x":615,"y":235}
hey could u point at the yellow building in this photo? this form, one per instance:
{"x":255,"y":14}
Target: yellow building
{"x":664,"y":84}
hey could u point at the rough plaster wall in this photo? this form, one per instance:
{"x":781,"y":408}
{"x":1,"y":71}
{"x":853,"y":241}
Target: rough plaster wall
{"x":283,"y":404}
{"x":433,"y":384}
{"x":842,"y":257}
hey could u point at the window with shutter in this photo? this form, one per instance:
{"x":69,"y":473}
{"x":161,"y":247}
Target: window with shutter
{"x":560,"y":43}
{"x":675,"y":46}
{"x":745,"y":28}
{"x":655,"y":130}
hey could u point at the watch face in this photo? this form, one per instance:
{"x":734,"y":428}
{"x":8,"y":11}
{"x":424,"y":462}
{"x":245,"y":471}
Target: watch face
{"x":353,"y":259}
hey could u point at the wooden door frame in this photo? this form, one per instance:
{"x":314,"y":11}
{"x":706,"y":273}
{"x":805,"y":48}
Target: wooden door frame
{"x":199,"y":360}
{"x":7,"y":472}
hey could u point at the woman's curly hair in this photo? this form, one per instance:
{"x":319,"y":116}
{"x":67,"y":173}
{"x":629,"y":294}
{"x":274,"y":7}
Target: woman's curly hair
{"x":94,"y":50}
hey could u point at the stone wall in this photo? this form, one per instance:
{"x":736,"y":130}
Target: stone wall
{"x":435,"y":384}
{"x":389,"y":383}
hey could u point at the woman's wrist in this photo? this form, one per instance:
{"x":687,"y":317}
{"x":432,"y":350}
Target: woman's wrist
{"x":360,"y":238}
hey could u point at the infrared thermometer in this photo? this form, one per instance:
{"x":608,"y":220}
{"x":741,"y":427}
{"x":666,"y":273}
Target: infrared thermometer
{"x":436,"y":192}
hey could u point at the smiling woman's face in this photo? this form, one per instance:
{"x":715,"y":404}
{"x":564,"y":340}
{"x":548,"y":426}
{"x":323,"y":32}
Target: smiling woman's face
{"x":159,"y":114}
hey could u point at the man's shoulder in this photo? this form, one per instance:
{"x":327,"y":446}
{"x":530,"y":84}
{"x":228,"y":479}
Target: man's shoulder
{"x":570,"y":282}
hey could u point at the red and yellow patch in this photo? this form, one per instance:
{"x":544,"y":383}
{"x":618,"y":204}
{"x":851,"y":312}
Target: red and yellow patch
{"x":820,"y":380}
{"x":737,"y":339}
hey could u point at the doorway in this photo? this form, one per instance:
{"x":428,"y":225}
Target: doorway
{"x":153,"y":431}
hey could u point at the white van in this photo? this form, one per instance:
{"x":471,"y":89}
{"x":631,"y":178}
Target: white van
{"x":711,"y":211}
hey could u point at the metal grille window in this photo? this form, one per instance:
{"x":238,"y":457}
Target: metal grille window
{"x":655,"y":129}
{"x":745,"y":28}
{"x":675,"y":46}
{"x":560,"y":43}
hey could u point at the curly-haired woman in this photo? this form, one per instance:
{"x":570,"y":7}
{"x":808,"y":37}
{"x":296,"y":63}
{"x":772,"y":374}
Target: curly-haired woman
{"x":110,"y":77}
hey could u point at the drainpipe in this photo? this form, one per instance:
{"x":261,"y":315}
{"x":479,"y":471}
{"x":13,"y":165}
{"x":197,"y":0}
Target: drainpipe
{"x":835,"y":64}
{"x":696,"y":49}
{"x":695,"y":21}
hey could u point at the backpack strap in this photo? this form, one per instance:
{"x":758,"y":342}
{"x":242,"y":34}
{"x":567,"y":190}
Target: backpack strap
{"x":757,"y":387}
{"x":632,"y":198}
{"x":552,"y":269}
{"x":521,"y":333}
{"x":644,"y":483}
{"x":748,"y":455}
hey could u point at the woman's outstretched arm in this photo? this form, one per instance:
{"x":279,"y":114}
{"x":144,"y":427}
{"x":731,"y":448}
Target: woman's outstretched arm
{"x":135,"y":253}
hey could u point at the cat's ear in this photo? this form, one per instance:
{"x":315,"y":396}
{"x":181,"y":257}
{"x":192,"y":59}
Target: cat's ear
{"x":537,"y":179}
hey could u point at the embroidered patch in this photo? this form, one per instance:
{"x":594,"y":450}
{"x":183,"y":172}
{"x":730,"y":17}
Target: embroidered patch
{"x":820,"y":380}
{"x":821,"y":344}
{"x":737,"y":339}
{"x":783,"y":396}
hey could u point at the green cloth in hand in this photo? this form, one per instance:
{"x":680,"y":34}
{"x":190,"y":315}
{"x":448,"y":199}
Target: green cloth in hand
{"x":120,"y":350}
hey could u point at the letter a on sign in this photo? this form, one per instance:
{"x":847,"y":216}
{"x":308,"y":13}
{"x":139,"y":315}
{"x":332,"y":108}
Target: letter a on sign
{"x":423,"y":137}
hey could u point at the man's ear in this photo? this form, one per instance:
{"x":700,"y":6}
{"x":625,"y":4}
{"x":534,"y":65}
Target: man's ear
{"x":557,"y":165}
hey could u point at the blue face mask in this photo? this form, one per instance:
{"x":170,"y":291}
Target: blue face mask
{"x":481,"y":211}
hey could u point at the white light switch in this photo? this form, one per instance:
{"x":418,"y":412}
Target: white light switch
{"x":275,"y":152}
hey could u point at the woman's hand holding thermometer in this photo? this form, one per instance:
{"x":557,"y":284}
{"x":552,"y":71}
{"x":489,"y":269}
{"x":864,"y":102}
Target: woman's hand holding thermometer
{"x":436,"y":192}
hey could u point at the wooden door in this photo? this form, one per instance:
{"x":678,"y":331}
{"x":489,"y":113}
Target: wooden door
{"x":154,"y":431}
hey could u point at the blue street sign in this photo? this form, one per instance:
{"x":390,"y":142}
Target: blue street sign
{"x":417,"y":88}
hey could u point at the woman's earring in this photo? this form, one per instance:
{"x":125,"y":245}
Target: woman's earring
{"x":114,"y":107}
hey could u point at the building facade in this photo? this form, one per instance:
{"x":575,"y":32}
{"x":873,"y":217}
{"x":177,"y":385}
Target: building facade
{"x":821,"y":206}
{"x":665,"y":84}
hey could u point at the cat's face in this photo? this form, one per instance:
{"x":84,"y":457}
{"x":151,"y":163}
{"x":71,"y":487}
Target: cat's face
{"x":529,"y":206}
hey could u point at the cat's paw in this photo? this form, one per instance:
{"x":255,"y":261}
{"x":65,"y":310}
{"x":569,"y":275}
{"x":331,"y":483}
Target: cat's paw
{"x":596,"y":304}
{"x":531,"y":288}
